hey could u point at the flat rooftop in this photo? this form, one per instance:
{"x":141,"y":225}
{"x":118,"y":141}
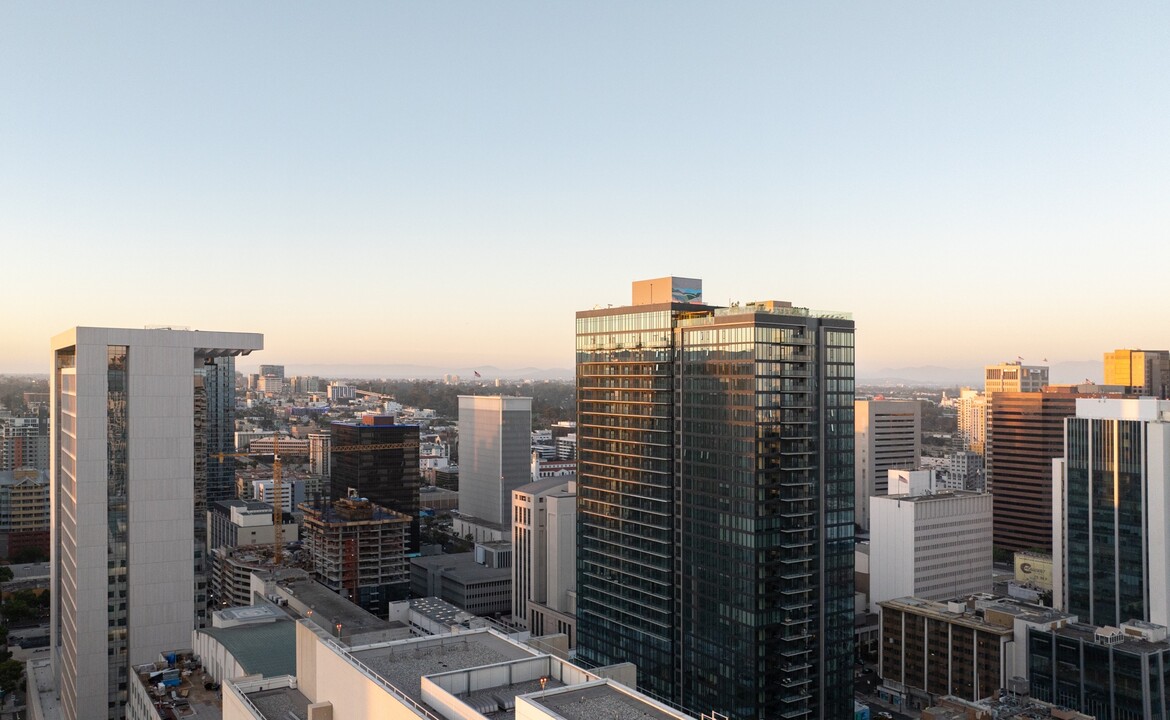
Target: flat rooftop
{"x":329,"y":608}
{"x":282,"y":703}
{"x":488,"y":702}
{"x":439,"y":610}
{"x":603,"y":700}
{"x":202,"y":343}
{"x":1128,"y":643}
{"x":193,"y":700}
{"x":936,"y":495}
{"x":974,"y":610}
{"x":404,"y":663}
{"x":463,"y":568}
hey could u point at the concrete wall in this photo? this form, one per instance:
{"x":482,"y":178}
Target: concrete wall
{"x":891,"y":550}
{"x":218,"y":662}
{"x":952,"y":546}
{"x":1157,"y":516}
{"x":562,"y":550}
{"x":160,"y":496}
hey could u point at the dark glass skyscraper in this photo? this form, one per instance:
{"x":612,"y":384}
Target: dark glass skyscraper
{"x":387,"y":474}
{"x":715,"y":501}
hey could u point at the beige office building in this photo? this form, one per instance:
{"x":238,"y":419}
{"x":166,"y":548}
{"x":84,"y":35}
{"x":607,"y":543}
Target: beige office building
{"x":887,"y":436}
{"x":544,"y":566}
{"x":1014,"y":377}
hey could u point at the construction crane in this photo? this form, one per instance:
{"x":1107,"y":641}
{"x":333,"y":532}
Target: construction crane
{"x":278,"y":502}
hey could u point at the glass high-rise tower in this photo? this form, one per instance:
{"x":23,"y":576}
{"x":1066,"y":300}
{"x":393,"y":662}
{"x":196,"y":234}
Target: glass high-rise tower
{"x":1111,"y":553}
{"x":715,"y":501}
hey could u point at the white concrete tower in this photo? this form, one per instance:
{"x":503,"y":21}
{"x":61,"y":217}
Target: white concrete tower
{"x":122,"y":460}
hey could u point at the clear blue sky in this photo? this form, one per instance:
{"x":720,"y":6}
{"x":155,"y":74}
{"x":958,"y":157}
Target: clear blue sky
{"x":446,"y":183}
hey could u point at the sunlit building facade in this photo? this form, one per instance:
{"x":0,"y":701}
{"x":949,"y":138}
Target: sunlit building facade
{"x":1140,"y":372}
{"x":715,"y":501}
{"x":1111,"y":560}
{"x":1014,"y":377}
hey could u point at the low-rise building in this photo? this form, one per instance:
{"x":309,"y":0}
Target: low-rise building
{"x":234,"y":523}
{"x":1009,"y":705}
{"x":231,"y":573}
{"x":471,"y":674}
{"x":289,"y":446}
{"x":967,"y":648}
{"x":544,"y":468}
{"x":441,"y":500}
{"x":255,"y":640}
{"x":170,"y":687}
{"x":478,"y":588}
{"x":292,"y":492}
{"x":1108,"y":672}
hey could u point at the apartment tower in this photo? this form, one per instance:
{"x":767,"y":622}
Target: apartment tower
{"x":715,"y":501}
{"x":124,"y":450}
{"x":972,"y":420}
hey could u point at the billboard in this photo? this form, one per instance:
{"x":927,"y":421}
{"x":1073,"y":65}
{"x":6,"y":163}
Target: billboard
{"x":1034,"y":569}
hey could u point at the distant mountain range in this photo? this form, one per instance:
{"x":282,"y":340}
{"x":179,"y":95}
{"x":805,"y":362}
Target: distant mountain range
{"x":424,"y":372}
{"x":1059,"y":373}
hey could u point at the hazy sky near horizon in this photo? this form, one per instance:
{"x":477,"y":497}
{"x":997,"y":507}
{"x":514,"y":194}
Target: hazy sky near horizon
{"x":445,"y":183}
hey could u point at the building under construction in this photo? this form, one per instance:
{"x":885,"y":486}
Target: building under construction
{"x":358,"y":550}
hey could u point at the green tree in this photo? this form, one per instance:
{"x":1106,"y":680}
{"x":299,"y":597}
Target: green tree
{"x":30,"y":555}
{"x":5,"y":573}
{"x":16,"y":609}
{"x":11,"y":675}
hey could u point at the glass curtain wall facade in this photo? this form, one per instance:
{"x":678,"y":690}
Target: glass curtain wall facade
{"x":219,"y":388}
{"x":1105,"y":539}
{"x":625,"y":493}
{"x":1124,"y":681}
{"x":715,"y":511}
{"x":117,"y":517}
{"x":215,"y":477}
{"x":388,"y":475}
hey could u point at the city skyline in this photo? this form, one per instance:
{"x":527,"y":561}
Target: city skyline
{"x":969,"y":169}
